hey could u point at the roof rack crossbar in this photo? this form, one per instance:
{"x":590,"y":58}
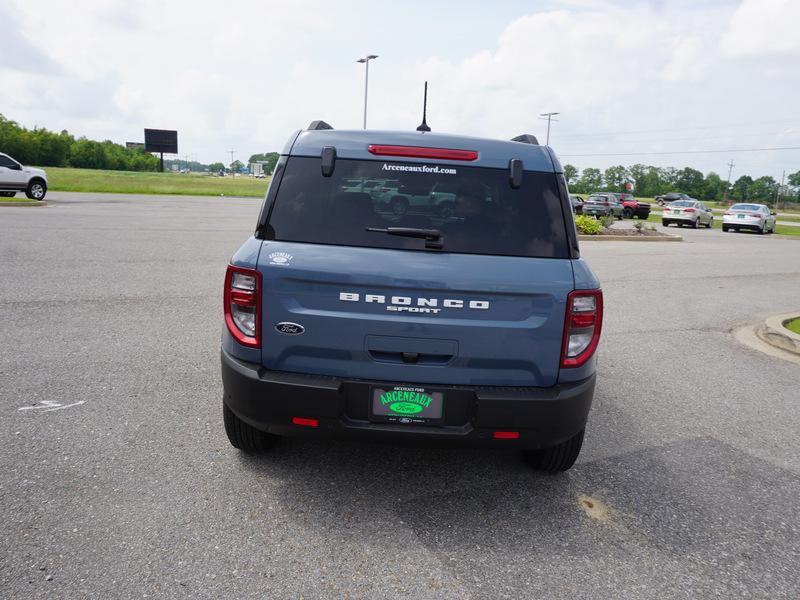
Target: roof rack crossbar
{"x":526,"y":138}
{"x":318,"y":125}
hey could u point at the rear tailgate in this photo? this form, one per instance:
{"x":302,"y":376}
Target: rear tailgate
{"x":415,"y":317}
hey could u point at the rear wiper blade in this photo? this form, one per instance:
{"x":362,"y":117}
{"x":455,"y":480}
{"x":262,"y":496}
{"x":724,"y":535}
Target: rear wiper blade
{"x":415,"y":232}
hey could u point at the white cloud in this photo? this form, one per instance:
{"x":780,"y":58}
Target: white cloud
{"x":764,"y":28}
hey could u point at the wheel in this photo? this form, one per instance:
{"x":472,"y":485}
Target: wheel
{"x":710,"y":223}
{"x":447,"y":210}
{"x":763,"y":229}
{"x":557,"y":458}
{"x":627,"y":213}
{"x":664,"y":223}
{"x":619,"y":216}
{"x":8,"y":194}
{"x":660,"y":201}
{"x":695,"y":223}
{"x":36,"y":189}
{"x":243,"y":436}
{"x":644,"y":217}
{"x":724,"y":228}
{"x":399,"y":205}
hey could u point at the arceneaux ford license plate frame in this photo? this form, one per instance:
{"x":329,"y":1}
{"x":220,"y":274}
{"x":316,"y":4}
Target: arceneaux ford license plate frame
{"x":406,"y":404}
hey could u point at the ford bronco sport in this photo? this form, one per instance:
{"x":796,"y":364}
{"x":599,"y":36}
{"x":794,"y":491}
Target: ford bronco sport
{"x":476,"y":325}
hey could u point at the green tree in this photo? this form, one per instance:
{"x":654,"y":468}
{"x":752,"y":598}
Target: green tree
{"x":236,"y":166}
{"x":763,"y":189}
{"x":741,"y":187}
{"x":216,"y":167}
{"x":614,"y":178}
{"x":270,"y":159}
{"x":713,"y":187}
{"x":591,"y":180}
{"x":690,"y":181}
{"x":570,"y":174}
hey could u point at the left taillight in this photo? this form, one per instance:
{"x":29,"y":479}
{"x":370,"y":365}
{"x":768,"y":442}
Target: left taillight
{"x":243,"y":305}
{"x":582,"y":325}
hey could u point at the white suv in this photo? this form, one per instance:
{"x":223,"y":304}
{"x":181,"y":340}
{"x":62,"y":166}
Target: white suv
{"x":16,"y":178}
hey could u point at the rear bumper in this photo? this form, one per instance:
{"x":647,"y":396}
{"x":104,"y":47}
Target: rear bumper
{"x":268,"y":400}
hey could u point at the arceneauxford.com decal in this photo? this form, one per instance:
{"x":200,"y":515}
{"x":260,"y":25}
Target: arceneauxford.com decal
{"x":421,"y":169}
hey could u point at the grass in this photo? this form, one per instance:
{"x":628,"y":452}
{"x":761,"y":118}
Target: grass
{"x":129,"y":182}
{"x":18,"y":198}
{"x":793,"y":325}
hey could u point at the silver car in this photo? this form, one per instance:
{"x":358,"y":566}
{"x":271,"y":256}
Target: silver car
{"x":755,"y":217}
{"x":687,"y":212}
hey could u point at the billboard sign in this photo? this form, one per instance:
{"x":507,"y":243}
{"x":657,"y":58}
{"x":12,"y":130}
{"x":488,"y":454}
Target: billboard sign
{"x":161,"y":140}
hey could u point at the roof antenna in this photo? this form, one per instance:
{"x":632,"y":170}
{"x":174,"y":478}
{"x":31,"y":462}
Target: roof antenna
{"x":424,"y":125}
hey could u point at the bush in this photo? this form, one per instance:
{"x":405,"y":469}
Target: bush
{"x":607,"y":221}
{"x":587,"y":225}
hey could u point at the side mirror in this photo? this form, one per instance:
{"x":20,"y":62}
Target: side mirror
{"x":773,"y":213}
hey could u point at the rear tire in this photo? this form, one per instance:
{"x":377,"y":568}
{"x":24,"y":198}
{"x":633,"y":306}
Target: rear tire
{"x":664,"y":223}
{"x":36,"y":189}
{"x":695,"y":223}
{"x":763,"y":229}
{"x":627,"y":213}
{"x":399,"y":205}
{"x":710,"y":223}
{"x":243,"y":436}
{"x":724,"y":229}
{"x":556,"y":459}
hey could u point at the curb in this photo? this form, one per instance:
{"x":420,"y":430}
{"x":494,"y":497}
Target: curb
{"x":631,"y":238}
{"x":773,"y":332}
{"x":39,"y":203}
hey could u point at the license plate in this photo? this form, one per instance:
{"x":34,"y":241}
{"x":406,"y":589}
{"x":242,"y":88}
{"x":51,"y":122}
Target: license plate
{"x":677,"y":211}
{"x":740,"y":216}
{"x":407,"y":404}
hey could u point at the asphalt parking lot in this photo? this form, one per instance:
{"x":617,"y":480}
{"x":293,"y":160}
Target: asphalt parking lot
{"x":117,"y":480}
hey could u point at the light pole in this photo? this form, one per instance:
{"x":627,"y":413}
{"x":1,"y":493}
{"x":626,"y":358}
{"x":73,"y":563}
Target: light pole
{"x":549,"y":116}
{"x":366,"y":60}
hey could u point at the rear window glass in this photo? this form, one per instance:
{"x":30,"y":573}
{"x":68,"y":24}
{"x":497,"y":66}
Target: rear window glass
{"x":475,"y":209}
{"x":752,"y":207}
{"x":682,"y":203}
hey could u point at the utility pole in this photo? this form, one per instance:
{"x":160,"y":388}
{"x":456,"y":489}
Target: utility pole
{"x":366,"y":60}
{"x":232,"y":152}
{"x":728,"y":184}
{"x":780,"y":188}
{"x":549,"y":116}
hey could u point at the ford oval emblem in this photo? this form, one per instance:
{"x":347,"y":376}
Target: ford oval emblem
{"x":289,"y":328}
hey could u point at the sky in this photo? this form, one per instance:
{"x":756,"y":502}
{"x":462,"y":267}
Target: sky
{"x":632,"y":80}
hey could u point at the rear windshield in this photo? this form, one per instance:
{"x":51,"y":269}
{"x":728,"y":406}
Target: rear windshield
{"x":682,"y":203}
{"x":751,"y":207}
{"x":475,"y":210}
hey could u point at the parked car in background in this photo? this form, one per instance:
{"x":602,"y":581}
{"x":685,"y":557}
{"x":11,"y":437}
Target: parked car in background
{"x":577,"y":204}
{"x":601,"y":205}
{"x":631,"y":207}
{"x":755,"y":217}
{"x":687,"y":212}
{"x":16,"y":178}
{"x":671,"y":197}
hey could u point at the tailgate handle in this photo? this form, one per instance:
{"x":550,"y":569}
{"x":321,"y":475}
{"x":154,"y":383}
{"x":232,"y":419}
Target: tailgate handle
{"x":410,"y":357}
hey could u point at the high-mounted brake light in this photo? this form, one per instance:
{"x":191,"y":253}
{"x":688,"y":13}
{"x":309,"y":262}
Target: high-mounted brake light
{"x":420,"y":152}
{"x":243,"y":305}
{"x":582,"y":324}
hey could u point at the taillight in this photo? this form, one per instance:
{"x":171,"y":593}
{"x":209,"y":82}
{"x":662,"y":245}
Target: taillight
{"x":243,"y":305}
{"x":582,"y":325}
{"x":688,"y":210}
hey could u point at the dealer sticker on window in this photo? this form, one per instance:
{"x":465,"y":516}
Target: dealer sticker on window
{"x":407,"y":404}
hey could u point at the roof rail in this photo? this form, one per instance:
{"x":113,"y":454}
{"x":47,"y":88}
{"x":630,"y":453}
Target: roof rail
{"x":317,"y":125}
{"x":526,"y":138}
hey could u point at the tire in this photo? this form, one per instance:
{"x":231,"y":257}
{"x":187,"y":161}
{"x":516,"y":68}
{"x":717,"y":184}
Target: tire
{"x":710,"y":223}
{"x":763,"y":229}
{"x":37,"y":189}
{"x":619,"y":217}
{"x":664,"y":223}
{"x":447,"y":210}
{"x":660,"y":201}
{"x":627,"y":213}
{"x":556,"y":459}
{"x":644,"y":217}
{"x":243,"y":436}
{"x":399,"y":205}
{"x":695,"y":223}
{"x":724,"y":229}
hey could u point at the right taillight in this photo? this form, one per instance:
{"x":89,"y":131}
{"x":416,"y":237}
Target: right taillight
{"x":243,"y":305}
{"x":582,"y":325}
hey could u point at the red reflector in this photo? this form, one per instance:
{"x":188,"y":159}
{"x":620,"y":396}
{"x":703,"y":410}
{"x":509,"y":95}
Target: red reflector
{"x":305,"y":422}
{"x":242,"y":297}
{"x":505,"y":435}
{"x":418,"y":152}
{"x":582,"y":320}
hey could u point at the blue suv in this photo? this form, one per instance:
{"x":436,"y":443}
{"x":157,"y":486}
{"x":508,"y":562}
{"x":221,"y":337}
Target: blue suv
{"x":345,"y":317}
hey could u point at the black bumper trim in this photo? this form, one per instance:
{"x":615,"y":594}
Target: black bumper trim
{"x":268,"y":400}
